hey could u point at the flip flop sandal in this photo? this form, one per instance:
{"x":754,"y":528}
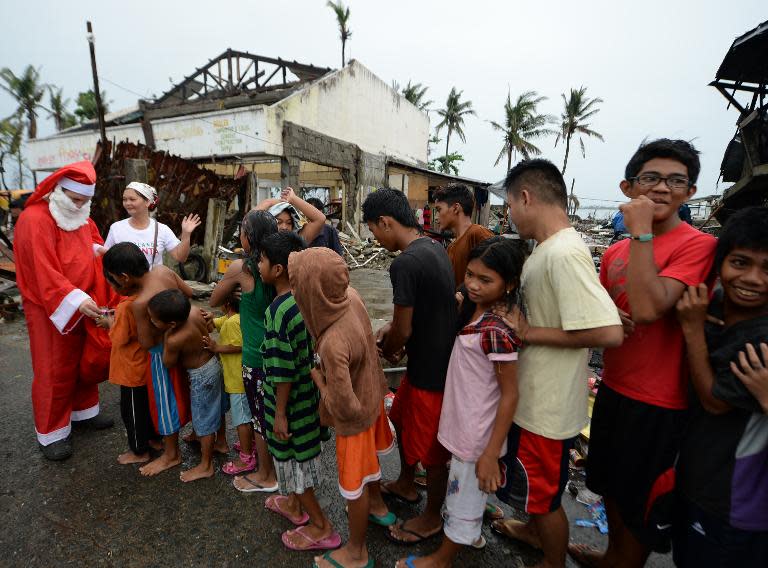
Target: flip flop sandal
{"x":419,"y":537}
{"x":409,"y":562}
{"x":272,"y":504}
{"x":331,"y":542}
{"x":499,"y":528}
{"x":255,"y":487}
{"x":389,"y":493}
{"x":383,"y":520}
{"x":480,"y":543}
{"x":493,"y":512}
{"x":249,"y":464}
{"x":328,"y":558}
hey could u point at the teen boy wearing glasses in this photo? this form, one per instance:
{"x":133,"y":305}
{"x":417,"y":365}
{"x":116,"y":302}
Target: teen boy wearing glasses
{"x":640,"y":408}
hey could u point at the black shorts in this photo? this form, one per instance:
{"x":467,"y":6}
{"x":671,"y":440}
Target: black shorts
{"x":702,"y":540}
{"x":632,"y":450}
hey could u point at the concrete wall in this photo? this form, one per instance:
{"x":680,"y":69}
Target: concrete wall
{"x":354,"y":105}
{"x":222,"y":133}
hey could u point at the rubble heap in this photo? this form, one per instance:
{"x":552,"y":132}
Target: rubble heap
{"x":369,"y":253}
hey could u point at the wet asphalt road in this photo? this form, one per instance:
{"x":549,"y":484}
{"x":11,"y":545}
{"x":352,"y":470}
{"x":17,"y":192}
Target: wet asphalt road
{"x":91,"y":511}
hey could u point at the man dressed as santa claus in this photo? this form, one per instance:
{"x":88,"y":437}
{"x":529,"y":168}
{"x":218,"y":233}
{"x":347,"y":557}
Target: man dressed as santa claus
{"x":58,"y":274}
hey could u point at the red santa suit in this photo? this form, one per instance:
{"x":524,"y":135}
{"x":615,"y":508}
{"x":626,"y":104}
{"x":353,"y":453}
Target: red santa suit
{"x":56,"y":271}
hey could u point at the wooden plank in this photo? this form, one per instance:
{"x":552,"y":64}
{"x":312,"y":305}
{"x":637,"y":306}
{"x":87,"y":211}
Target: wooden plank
{"x":214,"y":232}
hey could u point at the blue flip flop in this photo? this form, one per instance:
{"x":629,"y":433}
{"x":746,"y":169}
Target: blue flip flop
{"x":409,"y":562}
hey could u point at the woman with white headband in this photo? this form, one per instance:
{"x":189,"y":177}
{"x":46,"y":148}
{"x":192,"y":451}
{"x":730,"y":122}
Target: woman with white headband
{"x":152,"y":237}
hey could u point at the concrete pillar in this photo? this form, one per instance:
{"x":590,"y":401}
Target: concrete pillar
{"x":289,"y":172}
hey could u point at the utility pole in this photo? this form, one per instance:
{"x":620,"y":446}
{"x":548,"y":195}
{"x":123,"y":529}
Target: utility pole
{"x":97,"y":92}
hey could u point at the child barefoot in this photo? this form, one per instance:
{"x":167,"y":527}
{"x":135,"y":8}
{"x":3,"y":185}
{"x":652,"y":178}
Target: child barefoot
{"x":291,"y":404}
{"x":230,"y":350}
{"x":128,"y":362}
{"x":480,"y":396}
{"x":352,"y":386}
{"x":184,"y":330}
{"x":168,"y":395}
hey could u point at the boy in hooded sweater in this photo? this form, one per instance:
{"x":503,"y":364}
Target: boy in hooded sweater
{"x":352,"y":387}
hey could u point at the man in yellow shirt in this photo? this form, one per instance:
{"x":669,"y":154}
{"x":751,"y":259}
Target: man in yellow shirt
{"x":568,"y":311}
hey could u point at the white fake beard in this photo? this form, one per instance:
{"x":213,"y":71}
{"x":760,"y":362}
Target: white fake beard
{"x":66,"y":214}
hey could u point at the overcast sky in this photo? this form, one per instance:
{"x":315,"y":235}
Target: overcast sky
{"x":650,"y":61}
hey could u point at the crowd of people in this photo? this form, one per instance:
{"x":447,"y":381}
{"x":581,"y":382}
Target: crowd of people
{"x":497,"y":339}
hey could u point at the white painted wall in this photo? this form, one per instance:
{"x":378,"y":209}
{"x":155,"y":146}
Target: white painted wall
{"x":354,"y":105}
{"x":238,"y":132}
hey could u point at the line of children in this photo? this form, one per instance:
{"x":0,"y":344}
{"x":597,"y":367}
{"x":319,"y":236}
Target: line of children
{"x":505,"y":420}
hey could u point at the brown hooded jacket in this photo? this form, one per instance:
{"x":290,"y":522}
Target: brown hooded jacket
{"x":336,"y":317}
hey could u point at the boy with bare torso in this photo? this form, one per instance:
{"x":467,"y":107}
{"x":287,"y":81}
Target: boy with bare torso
{"x":168,"y":394}
{"x":185,"y":332}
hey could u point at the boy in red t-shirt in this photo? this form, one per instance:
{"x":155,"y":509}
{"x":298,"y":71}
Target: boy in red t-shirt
{"x":640,"y":407}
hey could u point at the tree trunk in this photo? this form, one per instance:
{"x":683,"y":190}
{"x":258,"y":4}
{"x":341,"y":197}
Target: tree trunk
{"x":447,"y":141}
{"x":509,"y":160}
{"x":21,"y":172}
{"x":567,"y":149}
{"x":343,"y":58}
{"x":32,"y":124}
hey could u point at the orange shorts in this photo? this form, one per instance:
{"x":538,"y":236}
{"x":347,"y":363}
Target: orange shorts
{"x":415,"y":413}
{"x":357,"y":457}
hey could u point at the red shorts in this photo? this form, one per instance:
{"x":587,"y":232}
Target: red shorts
{"x":357,"y":456}
{"x":416,"y":415}
{"x":534,"y":471}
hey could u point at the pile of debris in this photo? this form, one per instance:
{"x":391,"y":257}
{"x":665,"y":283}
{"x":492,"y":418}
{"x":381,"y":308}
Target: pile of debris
{"x":369,"y":253}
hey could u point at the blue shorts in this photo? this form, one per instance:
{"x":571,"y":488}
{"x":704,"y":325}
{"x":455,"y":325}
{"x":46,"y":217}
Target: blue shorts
{"x":205,"y":386}
{"x":238,"y":405}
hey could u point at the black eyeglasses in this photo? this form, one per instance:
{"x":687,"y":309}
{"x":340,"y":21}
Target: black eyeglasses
{"x":651,"y":180}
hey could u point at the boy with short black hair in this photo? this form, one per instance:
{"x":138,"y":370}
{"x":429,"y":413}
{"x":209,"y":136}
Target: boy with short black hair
{"x":567,"y":312}
{"x":167,"y":390}
{"x":641,"y":405}
{"x":423,"y":326}
{"x":128,"y":362}
{"x":454,"y":204}
{"x":722,"y":469}
{"x":185,"y":331}
{"x":291,"y":402}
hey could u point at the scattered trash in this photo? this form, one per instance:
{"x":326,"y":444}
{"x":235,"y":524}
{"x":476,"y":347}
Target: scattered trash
{"x":599,"y":519}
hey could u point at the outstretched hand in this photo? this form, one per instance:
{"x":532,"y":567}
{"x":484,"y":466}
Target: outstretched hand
{"x":190,"y":223}
{"x":89,"y":308}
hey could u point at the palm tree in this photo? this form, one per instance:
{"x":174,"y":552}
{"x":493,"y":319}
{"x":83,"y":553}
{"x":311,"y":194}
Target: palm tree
{"x":58,"y":111}
{"x":578,"y":108}
{"x":415,"y":94}
{"x":573,"y":201}
{"x":11,"y":136}
{"x":453,"y":117}
{"x":86,"y":108}
{"x":521,"y":125}
{"x":28,"y":92}
{"x":342,"y":18}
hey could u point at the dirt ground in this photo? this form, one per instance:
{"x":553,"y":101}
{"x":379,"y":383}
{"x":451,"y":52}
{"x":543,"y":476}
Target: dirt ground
{"x":90,"y":511}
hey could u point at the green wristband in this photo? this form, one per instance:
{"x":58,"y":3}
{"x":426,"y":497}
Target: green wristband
{"x":644,"y":238}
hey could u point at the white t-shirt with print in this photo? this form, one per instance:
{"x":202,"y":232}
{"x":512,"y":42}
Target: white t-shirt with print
{"x":122,"y":232}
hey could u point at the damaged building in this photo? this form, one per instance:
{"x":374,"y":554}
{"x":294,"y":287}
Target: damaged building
{"x":259,"y":124}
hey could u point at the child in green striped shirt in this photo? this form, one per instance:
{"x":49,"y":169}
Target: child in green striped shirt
{"x":291,"y":402}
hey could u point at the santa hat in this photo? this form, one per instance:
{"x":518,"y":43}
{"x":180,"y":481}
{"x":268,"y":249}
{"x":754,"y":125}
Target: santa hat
{"x":79,"y":177}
